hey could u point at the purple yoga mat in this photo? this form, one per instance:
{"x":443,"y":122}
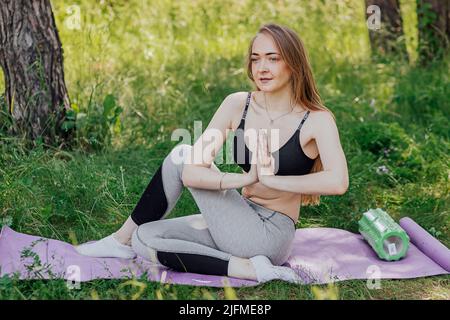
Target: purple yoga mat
{"x":429,"y":245}
{"x":58,"y":259}
{"x":320,"y":255}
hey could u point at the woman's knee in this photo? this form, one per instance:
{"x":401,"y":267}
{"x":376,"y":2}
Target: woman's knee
{"x":277,"y":254}
{"x":277,"y":260}
{"x":279,"y":257}
{"x":181,"y":154}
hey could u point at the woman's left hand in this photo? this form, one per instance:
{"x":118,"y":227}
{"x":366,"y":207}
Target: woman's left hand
{"x":265,"y":161}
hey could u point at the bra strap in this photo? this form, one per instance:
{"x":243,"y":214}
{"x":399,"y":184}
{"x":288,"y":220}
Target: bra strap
{"x":303,"y":120}
{"x":246,"y":106}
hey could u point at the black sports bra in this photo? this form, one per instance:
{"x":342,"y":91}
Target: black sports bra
{"x":291,"y":158}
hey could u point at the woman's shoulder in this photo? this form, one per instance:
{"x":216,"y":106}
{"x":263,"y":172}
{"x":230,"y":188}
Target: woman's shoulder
{"x":318,"y":120}
{"x":236,"y":101}
{"x":239,"y":96}
{"x":321,"y":117}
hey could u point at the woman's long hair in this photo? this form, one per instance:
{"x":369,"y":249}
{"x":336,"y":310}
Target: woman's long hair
{"x":303,"y":85}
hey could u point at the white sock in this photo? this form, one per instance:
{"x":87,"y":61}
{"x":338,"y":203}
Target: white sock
{"x":108,"y":247}
{"x":266,"y":271}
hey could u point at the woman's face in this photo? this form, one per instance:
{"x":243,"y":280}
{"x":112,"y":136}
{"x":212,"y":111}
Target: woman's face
{"x":268,"y":63}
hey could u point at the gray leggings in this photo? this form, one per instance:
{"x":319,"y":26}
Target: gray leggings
{"x":228,"y":225}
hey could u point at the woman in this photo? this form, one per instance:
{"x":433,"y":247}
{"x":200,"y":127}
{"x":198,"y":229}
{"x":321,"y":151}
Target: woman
{"x":246,"y":235}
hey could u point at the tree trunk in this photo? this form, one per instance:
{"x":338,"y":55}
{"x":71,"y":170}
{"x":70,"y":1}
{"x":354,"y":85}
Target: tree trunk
{"x":390,"y":37}
{"x":31,"y":57}
{"x":434,"y":28}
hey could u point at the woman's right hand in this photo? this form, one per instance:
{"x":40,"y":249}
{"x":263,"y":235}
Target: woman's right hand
{"x":252,"y":174}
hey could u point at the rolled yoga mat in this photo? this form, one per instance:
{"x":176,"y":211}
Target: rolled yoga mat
{"x":320,"y":255}
{"x":429,"y":245}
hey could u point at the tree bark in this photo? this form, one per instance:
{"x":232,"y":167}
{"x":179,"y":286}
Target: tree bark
{"x":31,"y":57}
{"x":434,"y":28}
{"x":390,"y":37}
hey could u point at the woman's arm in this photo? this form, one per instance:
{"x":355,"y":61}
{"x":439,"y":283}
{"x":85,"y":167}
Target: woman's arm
{"x":200,"y":171}
{"x":333,"y":180}
{"x":207,"y":178}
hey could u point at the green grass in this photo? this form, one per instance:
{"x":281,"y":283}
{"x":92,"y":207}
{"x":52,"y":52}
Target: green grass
{"x":423,"y":288}
{"x":172,"y":63}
